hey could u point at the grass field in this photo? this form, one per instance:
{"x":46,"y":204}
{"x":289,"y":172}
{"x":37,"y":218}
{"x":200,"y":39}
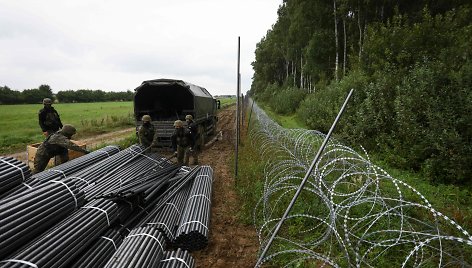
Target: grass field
{"x":19,"y":123}
{"x":225,"y":102}
{"x":287,"y":121}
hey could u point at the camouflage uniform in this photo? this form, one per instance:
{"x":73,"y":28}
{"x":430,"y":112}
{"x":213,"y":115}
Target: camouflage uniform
{"x":49,"y":120}
{"x":181,"y":142}
{"x":55,"y":144}
{"x":193,"y":127}
{"x":147,"y":135}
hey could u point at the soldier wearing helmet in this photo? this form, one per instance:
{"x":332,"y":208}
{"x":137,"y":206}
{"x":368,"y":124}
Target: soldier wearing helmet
{"x":182,"y":141}
{"x":56,"y":144}
{"x":147,"y":133}
{"x":49,"y":119}
{"x":193,"y":127}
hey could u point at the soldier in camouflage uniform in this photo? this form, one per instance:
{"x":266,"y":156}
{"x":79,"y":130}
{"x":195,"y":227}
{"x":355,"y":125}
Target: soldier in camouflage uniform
{"x":193,"y":127}
{"x":182,"y":141}
{"x":56,"y":144}
{"x":147,"y":133}
{"x":49,"y":119}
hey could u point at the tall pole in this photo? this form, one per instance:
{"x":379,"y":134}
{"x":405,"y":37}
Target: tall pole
{"x":240,"y":109}
{"x":250,"y":113}
{"x":300,"y":188}
{"x":238,"y":78}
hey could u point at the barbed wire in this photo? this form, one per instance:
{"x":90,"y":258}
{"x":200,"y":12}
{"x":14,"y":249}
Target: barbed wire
{"x":350,"y":213}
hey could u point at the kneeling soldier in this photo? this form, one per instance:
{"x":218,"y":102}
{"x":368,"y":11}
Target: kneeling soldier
{"x":56,"y":144}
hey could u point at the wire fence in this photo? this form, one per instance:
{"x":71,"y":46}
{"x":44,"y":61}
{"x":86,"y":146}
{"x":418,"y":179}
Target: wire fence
{"x":350,"y":213}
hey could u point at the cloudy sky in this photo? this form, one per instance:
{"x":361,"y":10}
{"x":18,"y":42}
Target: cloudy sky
{"x":114,"y":45}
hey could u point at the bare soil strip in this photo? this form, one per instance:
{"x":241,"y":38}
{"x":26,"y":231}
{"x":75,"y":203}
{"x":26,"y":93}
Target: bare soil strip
{"x":91,"y":142}
{"x":232,"y":244}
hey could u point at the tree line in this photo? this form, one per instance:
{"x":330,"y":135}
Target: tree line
{"x":410,"y":65}
{"x":36,"y":95}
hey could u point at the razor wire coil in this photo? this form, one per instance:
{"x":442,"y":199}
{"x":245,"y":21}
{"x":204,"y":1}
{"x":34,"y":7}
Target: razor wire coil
{"x":351,"y":212}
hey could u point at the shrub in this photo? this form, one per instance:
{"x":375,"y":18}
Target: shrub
{"x":287,"y":100}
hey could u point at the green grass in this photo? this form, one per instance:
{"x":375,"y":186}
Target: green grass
{"x":452,"y":200}
{"x":286,"y":121}
{"x":124,"y":143}
{"x":225,"y":102}
{"x":19,"y":123}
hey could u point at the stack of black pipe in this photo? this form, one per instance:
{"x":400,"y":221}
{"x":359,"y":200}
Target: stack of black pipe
{"x":100,"y":252}
{"x":131,"y":171}
{"x":192,"y":233}
{"x":167,"y":219}
{"x":76,"y":164}
{"x":176,"y":201}
{"x":176,"y":184}
{"x":146,"y":183}
{"x":12,"y":173}
{"x":152,"y":192}
{"x":27,"y":214}
{"x":88,"y":176}
{"x":63,"y":170}
{"x":66,"y":240}
{"x":177,"y":259}
{"x":143,"y":247}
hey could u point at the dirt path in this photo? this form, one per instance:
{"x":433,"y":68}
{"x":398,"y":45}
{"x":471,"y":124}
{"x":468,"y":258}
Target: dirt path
{"x":91,"y":142}
{"x":108,"y":138}
{"x":232,"y":244}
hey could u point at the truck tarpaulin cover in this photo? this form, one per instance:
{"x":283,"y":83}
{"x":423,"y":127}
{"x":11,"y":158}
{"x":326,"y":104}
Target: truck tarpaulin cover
{"x":168,"y":99}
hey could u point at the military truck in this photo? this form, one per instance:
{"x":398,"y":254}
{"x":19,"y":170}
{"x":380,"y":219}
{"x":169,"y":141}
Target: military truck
{"x":167,"y":100}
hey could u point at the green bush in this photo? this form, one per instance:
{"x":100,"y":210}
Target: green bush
{"x":319,"y":109}
{"x":286,"y":101}
{"x":434,"y":111}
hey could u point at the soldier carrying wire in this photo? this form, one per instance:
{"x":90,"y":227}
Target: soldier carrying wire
{"x":56,"y":144}
{"x":49,"y":119}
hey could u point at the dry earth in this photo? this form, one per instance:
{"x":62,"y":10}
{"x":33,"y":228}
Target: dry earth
{"x":91,"y":142}
{"x":231,"y":243}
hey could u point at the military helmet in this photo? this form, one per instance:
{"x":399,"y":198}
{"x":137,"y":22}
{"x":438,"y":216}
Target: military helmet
{"x":146,"y":118}
{"x":47,"y":101}
{"x":178,"y":123}
{"x":189,"y":117}
{"x":68,"y":130}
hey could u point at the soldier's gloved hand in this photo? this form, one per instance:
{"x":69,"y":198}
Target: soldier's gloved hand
{"x":191,"y":149}
{"x":175,"y":153}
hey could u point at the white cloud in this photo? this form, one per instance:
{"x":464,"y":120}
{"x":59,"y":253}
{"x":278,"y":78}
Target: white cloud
{"x":115,"y":45}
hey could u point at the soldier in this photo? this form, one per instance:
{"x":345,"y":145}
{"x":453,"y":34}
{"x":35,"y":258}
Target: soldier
{"x":181,"y":142}
{"x":56,"y":145}
{"x":193,"y":127}
{"x":147,"y":133}
{"x":49,"y":119}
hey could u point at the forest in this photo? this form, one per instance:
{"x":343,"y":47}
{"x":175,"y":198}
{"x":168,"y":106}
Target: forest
{"x":36,"y":95}
{"x":409,"y":63}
